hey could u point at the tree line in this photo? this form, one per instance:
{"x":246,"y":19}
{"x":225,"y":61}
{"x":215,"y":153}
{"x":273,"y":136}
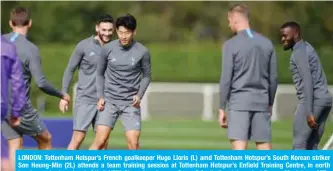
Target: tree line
{"x":176,"y":21}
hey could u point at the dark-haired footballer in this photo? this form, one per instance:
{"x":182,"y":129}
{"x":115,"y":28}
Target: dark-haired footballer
{"x":315,"y":101}
{"x":123,"y":76}
{"x":85,"y":58}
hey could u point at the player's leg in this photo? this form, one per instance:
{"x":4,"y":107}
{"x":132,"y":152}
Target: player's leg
{"x":132,"y":139}
{"x":44,"y":140}
{"x":32,"y":125}
{"x":131,"y":121}
{"x":261,"y":131}
{"x":105,"y":122}
{"x":5,"y":162}
{"x":84,"y":115}
{"x":238,"y":129}
{"x":76,"y":140}
{"x":93,"y":123}
{"x":321,"y":114}
{"x":301,"y":130}
{"x":106,"y":145}
{"x":13,"y":145}
{"x":14,"y":139}
{"x":36,"y":128}
{"x":102,"y":134}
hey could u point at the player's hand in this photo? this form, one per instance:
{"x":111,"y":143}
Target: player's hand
{"x":136,"y":101}
{"x":312,"y":122}
{"x":100,"y":104}
{"x":66,"y":97}
{"x":14,"y":121}
{"x":223,"y":119}
{"x":63,"y":105}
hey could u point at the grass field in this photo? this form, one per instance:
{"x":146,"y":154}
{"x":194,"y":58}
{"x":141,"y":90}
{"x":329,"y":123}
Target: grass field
{"x":195,"y":134}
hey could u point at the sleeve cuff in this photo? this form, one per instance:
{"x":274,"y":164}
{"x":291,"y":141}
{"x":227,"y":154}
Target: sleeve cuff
{"x":64,"y":90}
{"x":140,"y":95}
{"x":60,"y":94}
{"x":100,"y":96}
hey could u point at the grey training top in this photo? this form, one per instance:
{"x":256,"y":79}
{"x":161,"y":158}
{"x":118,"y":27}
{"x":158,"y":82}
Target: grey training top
{"x":308,"y":76}
{"x":127,"y":72}
{"x":84,"y":57}
{"x":249,"y":72}
{"x":31,"y":65}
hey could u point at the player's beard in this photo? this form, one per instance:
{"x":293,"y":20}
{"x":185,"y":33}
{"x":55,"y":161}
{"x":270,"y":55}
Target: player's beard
{"x":289,"y":44}
{"x":101,"y":38}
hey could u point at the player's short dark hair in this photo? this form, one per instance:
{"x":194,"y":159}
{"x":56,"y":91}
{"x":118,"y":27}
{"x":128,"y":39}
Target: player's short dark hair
{"x":20,"y":16}
{"x":106,"y":18}
{"x":128,"y":21}
{"x":240,"y":8}
{"x":291,"y":24}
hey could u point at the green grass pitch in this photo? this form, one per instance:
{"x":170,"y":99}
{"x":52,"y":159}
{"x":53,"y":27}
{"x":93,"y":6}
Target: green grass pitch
{"x":189,"y":134}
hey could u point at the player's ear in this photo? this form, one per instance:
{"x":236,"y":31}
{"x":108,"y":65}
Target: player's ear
{"x":97,"y":28}
{"x":11,"y":24}
{"x":296,"y":35}
{"x":30,"y":23}
{"x":134,"y":32}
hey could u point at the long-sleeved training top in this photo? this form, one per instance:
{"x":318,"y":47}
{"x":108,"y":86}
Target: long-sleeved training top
{"x":29,"y":56}
{"x":123,"y":72}
{"x":11,"y":71}
{"x":309,"y":77}
{"x":85,"y":57}
{"x":249,"y":72}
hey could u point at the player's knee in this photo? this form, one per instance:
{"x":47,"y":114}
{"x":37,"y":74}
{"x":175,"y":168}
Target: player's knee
{"x":132,"y":144}
{"x":44,"y":138}
{"x":14,"y":144}
{"x":263,"y":146}
{"x":239,"y":144}
{"x":47,"y":137}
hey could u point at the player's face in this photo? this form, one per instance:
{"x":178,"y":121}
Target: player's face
{"x":125,"y":35}
{"x":287,"y":38}
{"x":104,"y":31}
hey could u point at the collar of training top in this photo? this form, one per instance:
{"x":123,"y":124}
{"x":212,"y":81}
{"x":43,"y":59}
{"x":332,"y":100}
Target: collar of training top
{"x":298,"y":44}
{"x":95,"y":40}
{"x":128,"y":46}
{"x":246,"y":32}
{"x":16,"y":34}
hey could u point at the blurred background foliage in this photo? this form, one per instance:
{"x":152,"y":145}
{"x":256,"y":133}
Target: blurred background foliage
{"x":180,"y":21}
